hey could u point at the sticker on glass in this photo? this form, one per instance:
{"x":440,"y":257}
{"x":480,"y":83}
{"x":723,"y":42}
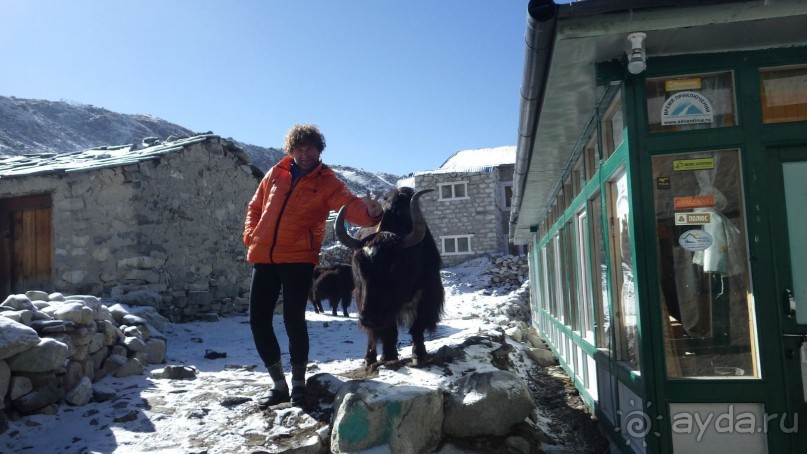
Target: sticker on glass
{"x":685,"y":108}
{"x":695,"y":240}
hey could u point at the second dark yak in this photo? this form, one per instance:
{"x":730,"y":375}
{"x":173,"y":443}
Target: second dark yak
{"x":332,"y":283}
{"x":396,"y":271}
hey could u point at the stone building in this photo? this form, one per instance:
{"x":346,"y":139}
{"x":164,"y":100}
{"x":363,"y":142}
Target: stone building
{"x":469,"y":211}
{"x":157,"y":223}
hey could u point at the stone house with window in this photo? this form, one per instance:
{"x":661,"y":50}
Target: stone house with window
{"x":157,"y":223}
{"x":469,"y":211}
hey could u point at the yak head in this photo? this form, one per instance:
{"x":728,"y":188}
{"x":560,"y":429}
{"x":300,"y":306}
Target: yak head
{"x":386,"y":262}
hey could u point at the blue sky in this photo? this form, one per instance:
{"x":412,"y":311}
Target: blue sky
{"x":396,"y":86}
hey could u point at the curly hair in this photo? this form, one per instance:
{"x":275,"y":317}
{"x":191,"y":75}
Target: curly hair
{"x":304,"y":134}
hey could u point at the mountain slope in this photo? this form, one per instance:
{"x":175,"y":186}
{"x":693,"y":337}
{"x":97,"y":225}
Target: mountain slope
{"x":30,"y":126}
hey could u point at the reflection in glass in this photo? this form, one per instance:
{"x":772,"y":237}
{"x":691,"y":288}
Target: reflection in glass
{"x":624,"y":290}
{"x":784,"y":94}
{"x":699,"y":101}
{"x":599,"y":277}
{"x":704,"y":286}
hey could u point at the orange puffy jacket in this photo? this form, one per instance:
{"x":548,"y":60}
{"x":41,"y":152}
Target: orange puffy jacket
{"x":286,"y":222}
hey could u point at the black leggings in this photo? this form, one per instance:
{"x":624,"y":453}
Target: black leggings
{"x":267,"y":279}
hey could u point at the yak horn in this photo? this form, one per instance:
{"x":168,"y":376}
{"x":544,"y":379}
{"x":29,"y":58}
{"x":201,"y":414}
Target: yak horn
{"x":418,"y":223}
{"x":341,"y":233}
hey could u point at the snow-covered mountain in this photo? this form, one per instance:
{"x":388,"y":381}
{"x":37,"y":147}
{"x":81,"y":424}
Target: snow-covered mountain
{"x":31,"y":126}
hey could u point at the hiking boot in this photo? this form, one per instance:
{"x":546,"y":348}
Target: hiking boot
{"x":273,"y":397}
{"x":298,"y":396}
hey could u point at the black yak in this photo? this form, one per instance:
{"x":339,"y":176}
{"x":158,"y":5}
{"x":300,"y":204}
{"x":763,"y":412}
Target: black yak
{"x":332,"y":283}
{"x":397,"y":276}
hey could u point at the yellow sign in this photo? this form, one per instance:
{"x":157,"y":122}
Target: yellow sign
{"x":692,"y":218}
{"x":694,"y":164}
{"x":682,"y":84}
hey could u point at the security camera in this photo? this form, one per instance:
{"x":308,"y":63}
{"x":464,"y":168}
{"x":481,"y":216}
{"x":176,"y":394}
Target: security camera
{"x":636,"y":56}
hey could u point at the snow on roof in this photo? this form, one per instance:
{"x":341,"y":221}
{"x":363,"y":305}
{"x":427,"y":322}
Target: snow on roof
{"x":482,"y":157}
{"x":97,"y":158}
{"x":478,"y":160}
{"x":481,"y":160}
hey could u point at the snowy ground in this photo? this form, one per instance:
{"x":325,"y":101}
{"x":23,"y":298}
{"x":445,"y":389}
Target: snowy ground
{"x":216,"y":412}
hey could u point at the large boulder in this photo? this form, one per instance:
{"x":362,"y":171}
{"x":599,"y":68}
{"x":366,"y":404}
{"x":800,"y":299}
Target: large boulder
{"x":15,"y":338}
{"x":486,"y":403}
{"x":393,"y":418}
{"x":48,"y":355}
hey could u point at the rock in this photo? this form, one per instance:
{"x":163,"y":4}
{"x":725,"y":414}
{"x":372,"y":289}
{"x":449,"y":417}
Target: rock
{"x":20,"y":386}
{"x":155,"y":351}
{"x":103,"y":395}
{"x":140,"y":297}
{"x":92,"y":302}
{"x":81,"y":394}
{"x":5,"y":380}
{"x":75,"y":312}
{"x":381,"y":416}
{"x":517,"y":445}
{"x":542,"y":356}
{"x":126,"y":416}
{"x":49,"y":354}
{"x":37,"y":295}
{"x":134,"y":344}
{"x":486,"y":403}
{"x":112,"y":363}
{"x":112,"y":334}
{"x":133,"y":320}
{"x":19,"y":303}
{"x":176,"y":373}
{"x":53,"y":326}
{"x":40,"y":397}
{"x":96,"y":343}
{"x":131,"y":367}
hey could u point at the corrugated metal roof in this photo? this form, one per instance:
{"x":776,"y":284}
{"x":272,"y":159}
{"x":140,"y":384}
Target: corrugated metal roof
{"x":99,"y":158}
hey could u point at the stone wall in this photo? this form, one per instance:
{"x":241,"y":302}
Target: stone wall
{"x":168,"y":228}
{"x":52,"y":348}
{"x":479,"y":215}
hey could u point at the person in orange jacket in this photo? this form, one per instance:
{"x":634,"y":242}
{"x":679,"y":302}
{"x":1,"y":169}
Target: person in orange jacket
{"x":283,"y":231}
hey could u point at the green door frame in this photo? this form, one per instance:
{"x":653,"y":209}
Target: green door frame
{"x":793,"y":334}
{"x":752,"y":138}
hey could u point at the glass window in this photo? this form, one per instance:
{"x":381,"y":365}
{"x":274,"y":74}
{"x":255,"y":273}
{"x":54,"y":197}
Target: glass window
{"x":508,"y":194}
{"x":456,"y":244}
{"x":698,"y":101}
{"x":784,"y":94}
{"x":578,"y":176}
{"x":454,"y":190}
{"x":704,"y":283}
{"x":460,"y":190}
{"x":546,"y":279}
{"x":558,"y":272}
{"x":611,"y":128}
{"x":550,"y":279}
{"x":592,"y":158}
{"x":570,"y":289}
{"x":568,"y":194}
{"x":599,"y":270}
{"x":583,"y":279}
{"x":622,"y":270}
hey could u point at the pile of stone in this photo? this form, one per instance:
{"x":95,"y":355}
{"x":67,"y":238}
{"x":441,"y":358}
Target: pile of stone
{"x":508,"y":272}
{"x":53,"y":347}
{"x":333,"y":254}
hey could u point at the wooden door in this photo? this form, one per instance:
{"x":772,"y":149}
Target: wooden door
{"x":25,"y":244}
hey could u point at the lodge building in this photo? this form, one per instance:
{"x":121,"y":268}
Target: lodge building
{"x":661,"y":189}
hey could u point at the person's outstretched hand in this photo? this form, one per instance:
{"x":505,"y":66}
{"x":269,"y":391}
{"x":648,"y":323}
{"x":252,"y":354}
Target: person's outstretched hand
{"x":373,"y":207}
